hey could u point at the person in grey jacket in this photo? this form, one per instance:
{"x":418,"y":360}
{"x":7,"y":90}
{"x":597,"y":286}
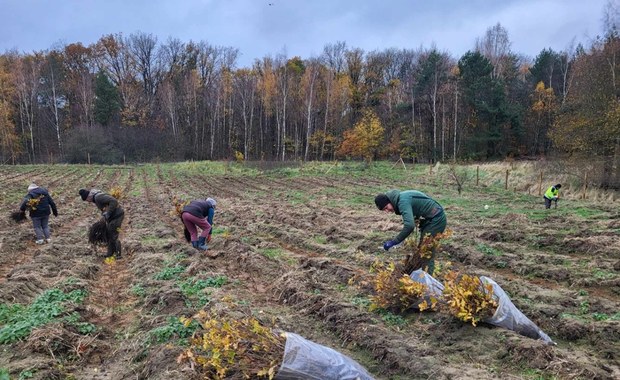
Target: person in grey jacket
{"x":38,"y":202}
{"x":113,"y":214}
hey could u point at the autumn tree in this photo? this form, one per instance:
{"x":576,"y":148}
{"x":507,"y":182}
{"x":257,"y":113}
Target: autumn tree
{"x":9,"y":140}
{"x":542,"y":112}
{"x":364,"y":139}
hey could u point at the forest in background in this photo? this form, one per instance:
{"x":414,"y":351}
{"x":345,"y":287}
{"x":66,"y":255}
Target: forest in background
{"x":136,"y":99}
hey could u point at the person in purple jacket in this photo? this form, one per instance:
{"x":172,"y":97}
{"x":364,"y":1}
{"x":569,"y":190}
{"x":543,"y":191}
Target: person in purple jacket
{"x":199,"y":214}
{"x":39,"y":211}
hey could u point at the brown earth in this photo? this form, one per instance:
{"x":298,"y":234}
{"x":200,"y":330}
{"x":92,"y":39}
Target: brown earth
{"x":288,"y":247}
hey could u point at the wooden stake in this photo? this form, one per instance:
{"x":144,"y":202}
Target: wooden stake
{"x":540,"y":184}
{"x":88,"y":158}
{"x":477,"y":175}
{"x":506,"y":185}
{"x":585,"y":185}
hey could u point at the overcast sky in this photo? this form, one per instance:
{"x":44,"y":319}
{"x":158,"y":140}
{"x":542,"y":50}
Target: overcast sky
{"x":302,"y":27}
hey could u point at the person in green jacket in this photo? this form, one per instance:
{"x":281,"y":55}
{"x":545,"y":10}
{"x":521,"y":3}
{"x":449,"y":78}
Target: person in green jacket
{"x":414,"y":206}
{"x":552,"y":194}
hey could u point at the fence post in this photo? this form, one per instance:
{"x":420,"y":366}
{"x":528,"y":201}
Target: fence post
{"x":477,"y":174}
{"x":540,"y":184}
{"x":585,"y":185}
{"x":88,"y":157}
{"x":506,"y":185}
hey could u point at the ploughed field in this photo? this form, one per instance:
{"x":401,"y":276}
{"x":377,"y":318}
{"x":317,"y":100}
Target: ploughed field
{"x":288,"y":244}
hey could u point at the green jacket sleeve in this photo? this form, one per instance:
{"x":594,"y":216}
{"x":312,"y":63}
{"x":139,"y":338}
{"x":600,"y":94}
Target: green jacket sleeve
{"x":408,"y":222}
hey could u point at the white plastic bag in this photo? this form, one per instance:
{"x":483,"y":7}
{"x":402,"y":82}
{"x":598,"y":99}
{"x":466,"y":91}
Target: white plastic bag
{"x":306,"y":360}
{"x":433,"y":286}
{"x":508,"y":316}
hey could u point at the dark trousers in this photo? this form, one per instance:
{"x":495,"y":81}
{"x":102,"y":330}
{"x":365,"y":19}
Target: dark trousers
{"x":548,"y":202}
{"x":113,"y":228}
{"x":432,"y":227}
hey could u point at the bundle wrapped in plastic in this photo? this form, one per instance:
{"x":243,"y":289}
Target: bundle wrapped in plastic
{"x":433,"y":286}
{"x":508,"y":316}
{"x":307,"y":360}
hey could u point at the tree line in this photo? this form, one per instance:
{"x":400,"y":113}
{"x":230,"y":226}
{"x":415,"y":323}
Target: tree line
{"x":136,"y":99}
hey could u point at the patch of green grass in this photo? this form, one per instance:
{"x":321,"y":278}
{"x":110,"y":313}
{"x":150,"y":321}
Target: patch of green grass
{"x":151,"y":240}
{"x":600,"y":274}
{"x":536,"y":374}
{"x":488,"y":250}
{"x":138,"y":290}
{"x":17,"y":320}
{"x":361,"y":301}
{"x":4,"y":374}
{"x":600,"y":316}
{"x":320,"y":239}
{"x":174,"y":329}
{"x":585,"y":212}
{"x":391,"y":319}
{"x":296,"y":197}
{"x":192,"y":288}
{"x":359,"y":200}
{"x":169,"y":273}
{"x":25,"y":374}
{"x":272,"y":253}
{"x":83,"y":328}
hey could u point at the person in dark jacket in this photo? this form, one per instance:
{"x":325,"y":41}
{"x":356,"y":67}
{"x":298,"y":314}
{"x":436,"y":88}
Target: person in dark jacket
{"x":199,"y":214}
{"x":414,"y":206}
{"x":113,"y":214}
{"x":38,"y":202}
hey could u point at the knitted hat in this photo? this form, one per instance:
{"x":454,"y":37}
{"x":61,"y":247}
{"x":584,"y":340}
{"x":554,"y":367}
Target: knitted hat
{"x":381,"y":201}
{"x":84,"y":194}
{"x":212,"y":202}
{"x":32,"y":187}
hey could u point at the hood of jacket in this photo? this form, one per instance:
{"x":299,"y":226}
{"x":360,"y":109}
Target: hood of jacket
{"x":394,"y":197}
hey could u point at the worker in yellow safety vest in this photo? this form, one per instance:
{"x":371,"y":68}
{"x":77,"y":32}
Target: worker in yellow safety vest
{"x":552,"y":194}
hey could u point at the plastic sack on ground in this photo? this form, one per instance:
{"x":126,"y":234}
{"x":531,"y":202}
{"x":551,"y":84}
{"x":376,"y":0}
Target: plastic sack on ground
{"x":435,"y":288}
{"x":508,"y":316}
{"x":306,"y":360}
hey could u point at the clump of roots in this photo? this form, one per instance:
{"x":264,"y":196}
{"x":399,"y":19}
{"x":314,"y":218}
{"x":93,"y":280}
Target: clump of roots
{"x":97,"y":233}
{"x":18,"y":216}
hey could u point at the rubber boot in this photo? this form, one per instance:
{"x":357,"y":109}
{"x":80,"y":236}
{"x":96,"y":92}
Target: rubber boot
{"x":195,"y":244}
{"x":202,"y":243}
{"x":118,"y":255}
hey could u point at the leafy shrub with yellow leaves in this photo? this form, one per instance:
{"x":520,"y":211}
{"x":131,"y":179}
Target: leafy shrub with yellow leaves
{"x":417,"y":255}
{"x":178,"y":204}
{"x":467,"y":298}
{"x":395,"y":290}
{"x":117,"y":193}
{"x":33,"y":203}
{"x":233,"y":348}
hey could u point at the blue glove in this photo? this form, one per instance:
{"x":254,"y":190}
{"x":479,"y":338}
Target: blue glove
{"x":389,"y":244}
